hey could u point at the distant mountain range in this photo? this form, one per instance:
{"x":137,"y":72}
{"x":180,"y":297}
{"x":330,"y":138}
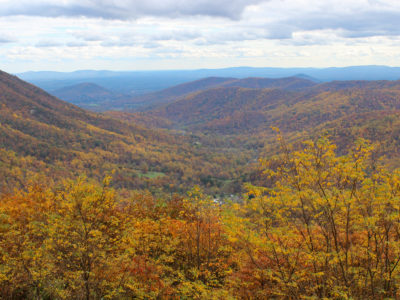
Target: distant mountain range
{"x":87,"y":95}
{"x":172,"y":94}
{"x":141,"y":82}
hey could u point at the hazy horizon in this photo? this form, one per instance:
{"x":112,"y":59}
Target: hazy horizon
{"x":195,"y":69}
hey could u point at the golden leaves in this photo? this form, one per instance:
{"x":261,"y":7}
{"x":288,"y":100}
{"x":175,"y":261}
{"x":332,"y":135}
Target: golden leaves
{"x":328,"y":227}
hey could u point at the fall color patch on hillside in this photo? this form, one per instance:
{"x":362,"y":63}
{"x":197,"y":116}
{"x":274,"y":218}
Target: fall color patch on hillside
{"x":322,"y":226}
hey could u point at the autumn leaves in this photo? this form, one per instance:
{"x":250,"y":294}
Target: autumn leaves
{"x":77,"y":241}
{"x":328,"y":228}
{"x":324,"y":226}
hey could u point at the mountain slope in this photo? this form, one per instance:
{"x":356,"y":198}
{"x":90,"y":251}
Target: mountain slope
{"x":40,"y":134}
{"x":171,"y":94}
{"x":287,"y":83}
{"x":202,"y":108}
{"x":232,"y":110}
{"x":175,"y":93}
{"x":345,"y":111}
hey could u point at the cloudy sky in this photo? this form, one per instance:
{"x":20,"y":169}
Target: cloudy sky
{"x":66,"y":35}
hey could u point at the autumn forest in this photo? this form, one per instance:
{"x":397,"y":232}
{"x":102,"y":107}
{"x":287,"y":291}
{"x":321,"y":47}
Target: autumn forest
{"x":220,"y":188}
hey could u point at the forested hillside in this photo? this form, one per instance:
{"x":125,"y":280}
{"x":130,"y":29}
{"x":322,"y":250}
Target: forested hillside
{"x":151,"y":100}
{"x":345,"y":110}
{"x":199,"y":149}
{"x":229,"y":109}
{"x":203,"y":197}
{"x":42,"y":135}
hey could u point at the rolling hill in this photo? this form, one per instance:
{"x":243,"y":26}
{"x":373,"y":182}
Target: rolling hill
{"x":150,"y":232}
{"x":87,"y":95}
{"x":201,"y":109}
{"x":209,"y":135}
{"x":170,"y":94}
{"x":42,"y":135}
{"x":345,"y":111}
{"x":141,"y":82}
{"x":236,"y":110}
{"x":286,"y":83}
{"x":149,"y":101}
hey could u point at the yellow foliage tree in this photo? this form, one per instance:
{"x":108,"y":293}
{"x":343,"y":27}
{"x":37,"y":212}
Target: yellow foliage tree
{"x":24,"y":266}
{"x":85,"y":240}
{"x":328,"y":227}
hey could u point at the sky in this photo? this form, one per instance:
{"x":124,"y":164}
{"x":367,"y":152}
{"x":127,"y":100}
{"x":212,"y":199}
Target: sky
{"x":67,"y":35}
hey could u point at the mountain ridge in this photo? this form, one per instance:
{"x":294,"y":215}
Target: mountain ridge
{"x":157,"y":80}
{"x":40,"y":134}
{"x":261,"y":108}
{"x":149,"y":101}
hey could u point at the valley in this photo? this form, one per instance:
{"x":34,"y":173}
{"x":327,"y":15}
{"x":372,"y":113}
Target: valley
{"x":211,"y":131}
{"x":210,"y":189}
{"x":206,"y":150}
{"x":64,"y":140}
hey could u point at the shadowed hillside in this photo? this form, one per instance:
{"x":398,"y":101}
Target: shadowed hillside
{"x":87,"y":95}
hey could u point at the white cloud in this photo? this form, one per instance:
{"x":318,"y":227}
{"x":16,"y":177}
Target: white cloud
{"x":47,"y":44}
{"x":126,"y":9}
{"x":202,"y":33}
{"x":5,"y":38}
